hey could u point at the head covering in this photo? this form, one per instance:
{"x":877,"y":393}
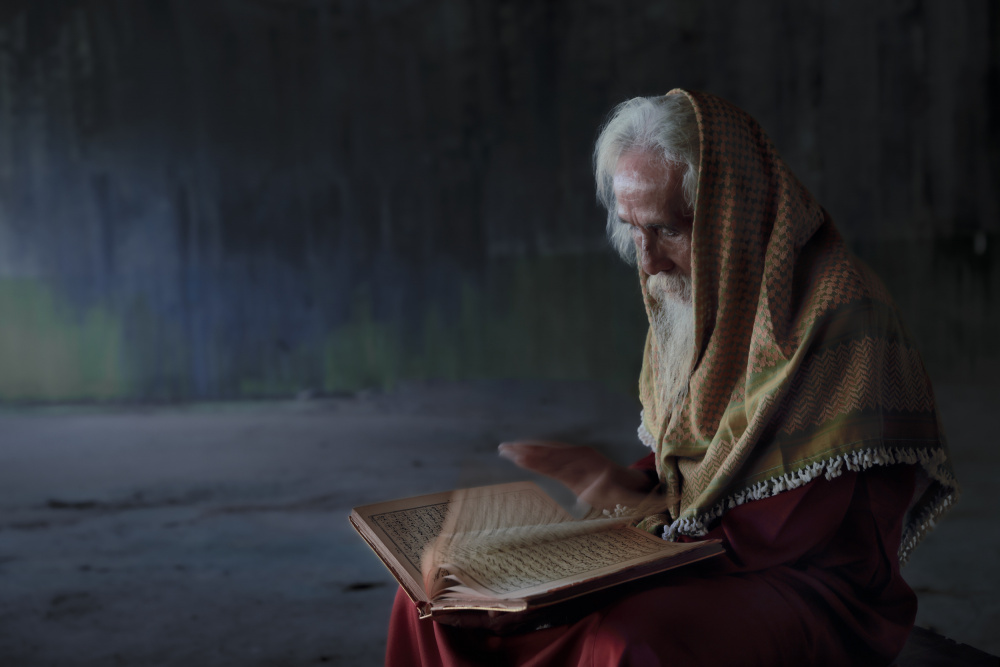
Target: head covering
{"x":803,"y":368}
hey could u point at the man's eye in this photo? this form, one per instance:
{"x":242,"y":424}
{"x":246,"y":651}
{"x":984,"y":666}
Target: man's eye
{"x":663,"y":231}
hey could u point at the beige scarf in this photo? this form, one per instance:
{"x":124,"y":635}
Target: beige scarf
{"x":803,"y":368}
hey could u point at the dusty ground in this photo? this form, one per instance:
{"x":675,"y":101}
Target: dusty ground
{"x":218,"y":535}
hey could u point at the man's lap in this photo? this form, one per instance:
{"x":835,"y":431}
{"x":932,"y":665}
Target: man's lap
{"x":757,"y":618}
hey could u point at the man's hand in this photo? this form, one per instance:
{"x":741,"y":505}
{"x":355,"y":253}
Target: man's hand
{"x":594,"y":478}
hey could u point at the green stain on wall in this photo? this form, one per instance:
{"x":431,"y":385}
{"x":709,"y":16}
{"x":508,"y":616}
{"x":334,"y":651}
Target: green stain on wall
{"x":565,"y":317}
{"x":362,"y":353}
{"x":49,"y":352}
{"x":561,"y":317}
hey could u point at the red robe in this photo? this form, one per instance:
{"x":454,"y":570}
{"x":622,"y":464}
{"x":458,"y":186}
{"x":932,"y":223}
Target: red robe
{"x":810,"y":577}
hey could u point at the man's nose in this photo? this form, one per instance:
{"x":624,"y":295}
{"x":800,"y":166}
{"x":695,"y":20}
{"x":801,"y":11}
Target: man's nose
{"x":653,"y":259}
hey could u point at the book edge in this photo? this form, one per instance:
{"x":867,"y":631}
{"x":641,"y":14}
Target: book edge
{"x":398,"y":572}
{"x":704,"y":551}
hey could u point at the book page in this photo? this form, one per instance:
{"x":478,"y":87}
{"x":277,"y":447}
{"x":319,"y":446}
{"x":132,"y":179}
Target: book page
{"x":406,"y":527}
{"x":525,"y":569}
{"x":490,"y":547}
{"x":411,"y":530}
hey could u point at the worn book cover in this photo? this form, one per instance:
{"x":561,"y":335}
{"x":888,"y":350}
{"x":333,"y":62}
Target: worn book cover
{"x":509,"y":547}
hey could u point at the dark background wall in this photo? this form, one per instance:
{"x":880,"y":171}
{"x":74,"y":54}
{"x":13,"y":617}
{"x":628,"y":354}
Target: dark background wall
{"x":262,"y":197}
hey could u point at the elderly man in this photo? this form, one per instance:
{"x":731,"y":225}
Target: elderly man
{"x":787,"y":411}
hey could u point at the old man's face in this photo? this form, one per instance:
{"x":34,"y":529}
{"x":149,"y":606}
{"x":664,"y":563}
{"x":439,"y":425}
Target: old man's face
{"x":650,"y":200}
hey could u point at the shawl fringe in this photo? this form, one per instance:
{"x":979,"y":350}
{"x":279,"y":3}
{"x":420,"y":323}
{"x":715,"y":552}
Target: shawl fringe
{"x":915,"y":528}
{"x":645,"y":437}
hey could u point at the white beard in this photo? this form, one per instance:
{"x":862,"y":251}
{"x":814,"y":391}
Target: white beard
{"x":672,"y":321}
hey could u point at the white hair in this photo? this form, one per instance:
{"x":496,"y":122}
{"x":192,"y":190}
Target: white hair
{"x":671,"y":319}
{"x":665,"y":125}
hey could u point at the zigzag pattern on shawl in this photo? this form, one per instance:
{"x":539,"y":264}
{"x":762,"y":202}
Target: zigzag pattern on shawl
{"x":900,"y":386}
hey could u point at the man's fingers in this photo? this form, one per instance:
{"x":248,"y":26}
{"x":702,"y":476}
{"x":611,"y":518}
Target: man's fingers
{"x":544,"y":456}
{"x":521,"y":452}
{"x":592,"y":477}
{"x":537,"y":445}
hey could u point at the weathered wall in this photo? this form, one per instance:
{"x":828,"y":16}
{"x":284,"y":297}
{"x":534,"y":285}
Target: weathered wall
{"x":254,"y":197}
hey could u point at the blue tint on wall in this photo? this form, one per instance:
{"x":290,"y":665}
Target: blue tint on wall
{"x":254,"y":198}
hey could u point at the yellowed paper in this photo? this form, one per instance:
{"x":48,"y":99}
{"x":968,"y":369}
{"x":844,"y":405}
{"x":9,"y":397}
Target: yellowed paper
{"x":410,"y":530}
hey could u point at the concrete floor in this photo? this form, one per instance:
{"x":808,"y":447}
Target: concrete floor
{"x":217,"y":534}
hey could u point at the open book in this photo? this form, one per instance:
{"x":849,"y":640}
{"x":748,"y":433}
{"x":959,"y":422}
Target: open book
{"x":509,"y":547}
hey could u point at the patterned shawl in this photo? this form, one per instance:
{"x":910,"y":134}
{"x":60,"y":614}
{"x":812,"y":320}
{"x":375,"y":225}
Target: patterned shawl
{"x":803,"y":367}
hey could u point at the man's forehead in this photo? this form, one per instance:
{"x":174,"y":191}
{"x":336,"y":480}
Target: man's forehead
{"x":644,"y":184}
{"x":634,"y":182}
{"x":641,"y":172}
